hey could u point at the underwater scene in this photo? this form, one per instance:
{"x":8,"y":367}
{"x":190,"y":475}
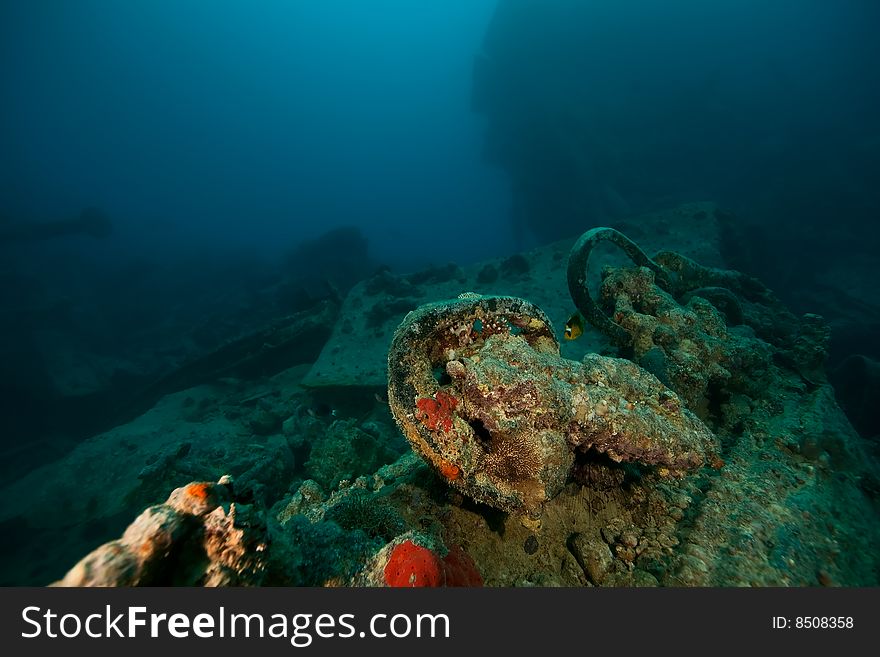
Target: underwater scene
{"x":395,"y":293}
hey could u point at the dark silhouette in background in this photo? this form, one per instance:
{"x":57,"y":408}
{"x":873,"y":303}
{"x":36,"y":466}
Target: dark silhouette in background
{"x":91,"y":222}
{"x":601,"y":110}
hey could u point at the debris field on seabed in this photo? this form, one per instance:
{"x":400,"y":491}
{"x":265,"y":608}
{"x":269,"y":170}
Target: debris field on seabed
{"x":705,"y":447}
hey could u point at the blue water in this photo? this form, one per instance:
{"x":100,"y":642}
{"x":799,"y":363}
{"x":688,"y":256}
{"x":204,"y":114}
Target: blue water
{"x":210,"y":126}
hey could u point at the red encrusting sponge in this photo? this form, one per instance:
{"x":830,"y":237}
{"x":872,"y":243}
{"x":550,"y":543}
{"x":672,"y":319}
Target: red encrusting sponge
{"x":436,"y":413}
{"x":412,"y":565}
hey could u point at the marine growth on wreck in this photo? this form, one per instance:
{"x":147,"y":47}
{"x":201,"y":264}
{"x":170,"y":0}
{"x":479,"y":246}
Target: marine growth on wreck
{"x":703,"y":447}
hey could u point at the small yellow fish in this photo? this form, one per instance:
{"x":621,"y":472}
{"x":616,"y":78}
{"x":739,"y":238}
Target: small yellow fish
{"x":574,"y":327}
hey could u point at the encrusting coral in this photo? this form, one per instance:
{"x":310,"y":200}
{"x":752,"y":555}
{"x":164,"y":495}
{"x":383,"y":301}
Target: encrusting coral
{"x":479,"y":388}
{"x":198,"y":537}
{"x":702,"y":331}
